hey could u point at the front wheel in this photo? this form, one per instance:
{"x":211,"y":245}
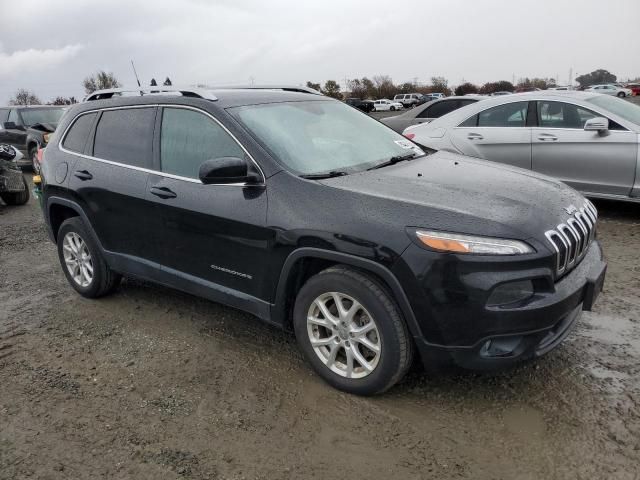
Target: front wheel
{"x":393,"y":109}
{"x":351,"y":331}
{"x":35,"y":164}
{"x":621,"y":94}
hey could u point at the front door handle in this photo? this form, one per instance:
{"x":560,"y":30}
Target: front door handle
{"x":475,"y":136}
{"x":547,"y":137}
{"x":82,"y":175}
{"x":163,"y":192}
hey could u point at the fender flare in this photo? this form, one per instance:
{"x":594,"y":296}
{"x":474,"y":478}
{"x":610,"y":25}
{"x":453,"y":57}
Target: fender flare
{"x":278,"y":310}
{"x":65,"y":202}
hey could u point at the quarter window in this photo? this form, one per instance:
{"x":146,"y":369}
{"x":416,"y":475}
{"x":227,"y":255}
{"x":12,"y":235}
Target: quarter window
{"x":77,"y":136}
{"x":189,"y":138}
{"x":125,"y":136}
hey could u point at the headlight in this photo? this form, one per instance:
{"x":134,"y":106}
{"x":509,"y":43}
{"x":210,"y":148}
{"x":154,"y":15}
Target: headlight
{"x":457,"y":243}
{"x":46,"y":137}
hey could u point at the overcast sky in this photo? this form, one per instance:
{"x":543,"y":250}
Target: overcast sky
{"x":50,"y":46}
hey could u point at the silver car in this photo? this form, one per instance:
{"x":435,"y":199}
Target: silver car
{"x":429,"y":111}
{"x":587,"y":140}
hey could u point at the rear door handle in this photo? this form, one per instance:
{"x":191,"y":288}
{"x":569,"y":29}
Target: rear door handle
{"x":547,"y":137}
{"x":163,"y":192}
{"x":82,"y":175}
{"x":475,"y":136}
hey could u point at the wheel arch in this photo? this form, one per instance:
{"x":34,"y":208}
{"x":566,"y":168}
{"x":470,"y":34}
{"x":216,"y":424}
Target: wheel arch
{"x":305,"y":262}
{"x":59,"y":209}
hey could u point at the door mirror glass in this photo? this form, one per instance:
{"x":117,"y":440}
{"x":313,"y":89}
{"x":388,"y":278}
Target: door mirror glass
{"x":596,"y":124}
{"x":227,"y":170}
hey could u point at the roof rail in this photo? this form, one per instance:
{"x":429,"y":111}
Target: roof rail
{"x":286,"y":88}
{"x":184,"y":91}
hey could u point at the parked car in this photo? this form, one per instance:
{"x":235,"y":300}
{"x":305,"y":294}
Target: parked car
{"x":610,"y":90}
{"x":429,"y":112}
{"x":408,"y":100}
{"x":28,"y":128}
{"x":364,"y":105}
{"x":369,"y":250}
{"x":588,"y":141}
{"x":14,"y":189}
{"x":384,"y":105}
{"x":634,"y":87}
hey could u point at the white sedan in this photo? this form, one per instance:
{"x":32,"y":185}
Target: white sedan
{"x":384,"y":105}
{"x":610,"y":89}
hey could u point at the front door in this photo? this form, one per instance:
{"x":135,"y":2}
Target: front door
{"x":206,"y":234}
{"x":587,"y":161}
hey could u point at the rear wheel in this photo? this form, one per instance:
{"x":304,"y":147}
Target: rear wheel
{"x":351,"y":331}
{"x":82,"y":261}
{"x":17,"y":198}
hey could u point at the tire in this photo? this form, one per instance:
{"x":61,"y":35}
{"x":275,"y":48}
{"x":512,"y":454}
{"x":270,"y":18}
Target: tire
{"x":621,"y":94}
{"x":389,"y":334}
{"x":103,"y":279}
{"x":393,"y":109}
{"x":17,"y":198}
{"x":33,"y":155}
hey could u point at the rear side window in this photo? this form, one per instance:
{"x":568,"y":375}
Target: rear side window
{"x":189,"y":138}
{"x":125,"y":136}
{"x":77,"y":136}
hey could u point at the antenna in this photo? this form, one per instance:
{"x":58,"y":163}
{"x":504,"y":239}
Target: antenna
{"x":136,"y":75}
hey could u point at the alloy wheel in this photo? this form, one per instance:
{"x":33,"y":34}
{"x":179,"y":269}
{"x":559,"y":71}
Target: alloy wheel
{"x":344,"y":335}
{"x":77,"y":259}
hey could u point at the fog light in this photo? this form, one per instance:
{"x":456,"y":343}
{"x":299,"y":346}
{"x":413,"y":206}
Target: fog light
{"x":511,"y":292}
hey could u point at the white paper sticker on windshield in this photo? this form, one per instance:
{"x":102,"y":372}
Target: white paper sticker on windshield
{"x":409,"y":146}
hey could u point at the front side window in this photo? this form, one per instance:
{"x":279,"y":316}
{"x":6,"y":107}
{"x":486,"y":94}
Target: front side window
{"x":125,"y":136}
{"x":189,"y":138}
{"x":562,"y":115}
{"x":322,"y":136}
{"x":77,"y":136}
{"x":622,"y":108}
{"x":4,"y":114}
{"x":14,"y":117}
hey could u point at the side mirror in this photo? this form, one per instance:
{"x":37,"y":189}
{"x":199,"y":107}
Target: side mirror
{"x":12,"y":126}
{"x":227,"y":170}
{"x":597,"y":124}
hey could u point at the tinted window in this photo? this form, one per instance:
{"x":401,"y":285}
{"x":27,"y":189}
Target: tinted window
{"x":439,"y":109}
{"x":78,"y":134}
{"x":14,"y":117}
{"x":125,"y":136}
{"x":562,"y":115}
{"x":189,"y":138}
{"x":508,"y":115}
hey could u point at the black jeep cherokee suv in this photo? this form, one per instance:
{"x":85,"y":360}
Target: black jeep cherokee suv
{"x":319,"y":219}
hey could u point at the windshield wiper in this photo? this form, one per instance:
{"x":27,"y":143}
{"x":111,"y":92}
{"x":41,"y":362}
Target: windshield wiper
{"x":394,"y":160}
{"x":320,"y":176}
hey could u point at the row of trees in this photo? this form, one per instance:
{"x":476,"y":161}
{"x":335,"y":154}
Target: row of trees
{"x":379,"y":86}
{"x":98,"y":81}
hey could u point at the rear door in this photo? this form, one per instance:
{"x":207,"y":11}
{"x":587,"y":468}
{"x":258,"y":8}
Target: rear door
{"x":587,"y":161}
{"x":110,"y":181}
{"x":210,"y":233}
{"x":499,"y":134}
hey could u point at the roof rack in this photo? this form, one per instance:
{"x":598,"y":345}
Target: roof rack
{"x":286,"y":88}
{"x":185,"y":92}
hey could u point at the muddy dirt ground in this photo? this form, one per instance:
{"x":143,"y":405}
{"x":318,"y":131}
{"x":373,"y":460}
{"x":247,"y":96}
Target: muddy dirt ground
{"x":152,"y":383}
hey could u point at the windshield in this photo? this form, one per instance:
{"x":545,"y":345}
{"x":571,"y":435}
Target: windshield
{"x":32,"y":116}
{"x":622,"y":108}
{"x":322,"y":136}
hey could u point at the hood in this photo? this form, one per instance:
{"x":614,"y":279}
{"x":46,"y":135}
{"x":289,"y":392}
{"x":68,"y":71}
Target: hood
{"x":44,"y":127}
{"x":453,"y":192}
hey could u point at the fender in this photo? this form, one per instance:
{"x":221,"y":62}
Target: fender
{"x":75,"y":207}
{"x":278,"y":309}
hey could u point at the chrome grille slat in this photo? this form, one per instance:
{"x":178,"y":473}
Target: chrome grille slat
{"x":570,"y":240}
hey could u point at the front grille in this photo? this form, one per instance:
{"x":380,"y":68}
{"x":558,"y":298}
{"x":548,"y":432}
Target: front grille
{"x":570,"y":240}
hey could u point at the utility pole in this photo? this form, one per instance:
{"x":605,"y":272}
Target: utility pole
{"x":570,"y":83}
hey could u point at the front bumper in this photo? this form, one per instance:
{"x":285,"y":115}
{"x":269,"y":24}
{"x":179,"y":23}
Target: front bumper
{"x":458,"y":327}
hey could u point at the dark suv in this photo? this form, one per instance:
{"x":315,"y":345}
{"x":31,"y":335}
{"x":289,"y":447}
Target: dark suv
{"x":319,"y":219}
{"x":28,"y":128}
